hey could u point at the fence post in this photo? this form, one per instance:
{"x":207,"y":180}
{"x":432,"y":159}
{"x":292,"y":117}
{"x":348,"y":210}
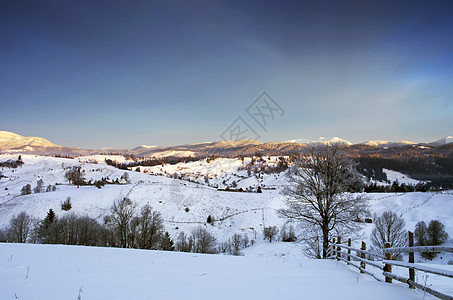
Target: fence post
{"x":387,"y":267}
{"x":339,"y":248}
{"x":349,"y":250}
{"x":362,"y":255}
{"x":411,"y":259}
{"x":334,"y":253}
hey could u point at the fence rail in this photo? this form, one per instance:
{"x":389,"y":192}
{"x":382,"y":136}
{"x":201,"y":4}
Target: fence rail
{"x":335,"y":251}
{"x":419,"y":249}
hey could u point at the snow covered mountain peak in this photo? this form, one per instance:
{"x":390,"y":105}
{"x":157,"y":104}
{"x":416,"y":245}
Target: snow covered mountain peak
{"x":322,"y":140}
{"x":379,"y":143}
{"x":442,"y":142}
{"x":10,"y":140}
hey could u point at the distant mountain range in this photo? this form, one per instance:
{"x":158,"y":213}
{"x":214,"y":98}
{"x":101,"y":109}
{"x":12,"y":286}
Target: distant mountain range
{"x":14,"y":143}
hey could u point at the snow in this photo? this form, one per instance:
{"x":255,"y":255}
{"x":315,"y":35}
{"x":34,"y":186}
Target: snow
{"x":400,"y":177}
{"x":222,"y":172}
{"x":101,"y":158}
{"x":322,"y":140}
{"x":10,"y":140}
{"x":174,"y":153}
{"x":68,"y":272}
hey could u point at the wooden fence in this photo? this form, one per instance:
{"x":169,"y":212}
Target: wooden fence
{"x":337,"y":250}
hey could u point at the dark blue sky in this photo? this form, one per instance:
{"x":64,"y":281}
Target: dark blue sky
{"x":123,"y":73}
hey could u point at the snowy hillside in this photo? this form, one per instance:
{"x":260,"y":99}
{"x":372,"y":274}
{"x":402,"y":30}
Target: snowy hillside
{"x":223,"y":172}
{"x":9,"y":140}
{"x":235,"y":212}
{"x":239,"y":212}
{"x":394,"y":176}
{"x":272,"y":271}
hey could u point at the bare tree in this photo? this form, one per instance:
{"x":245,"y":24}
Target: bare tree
{"x":20,"y":228}
{"x":75,"y":176}
{"x":126,"y":177}
{"x":236,"y":241}
{"x":203,"y":241}
{"x":149,"y":228}
{"x":26,"y":190}
{"x":421,"y":233}
{"x":389,"y":228}
{"x":38,"y":187}
{"x":270,"y":233}
{"x":66,"y":205}
{"x":317,"y":197}
{"x":436,"y":233}
{"x":182,"y":244}
{"x":122,"y":214}
{"x":288,"y":234}
{"x":312,"y":244}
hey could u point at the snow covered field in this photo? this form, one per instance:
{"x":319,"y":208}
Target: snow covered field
{"x":271,"y":271}
{"x":267,"y":271}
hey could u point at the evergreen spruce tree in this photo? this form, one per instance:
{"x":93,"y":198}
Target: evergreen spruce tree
{"x":167,"y":243}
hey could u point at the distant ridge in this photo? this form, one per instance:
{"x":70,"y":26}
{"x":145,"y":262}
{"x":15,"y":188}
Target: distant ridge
{"x":323,"y":141}
{"x":388,"y":144}
{"x":14,"y":143}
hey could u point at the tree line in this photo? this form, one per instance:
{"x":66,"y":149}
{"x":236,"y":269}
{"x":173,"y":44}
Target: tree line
{"x":123,"y":227}
{"x":437,"y":170}
{"x":390,"y":228}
